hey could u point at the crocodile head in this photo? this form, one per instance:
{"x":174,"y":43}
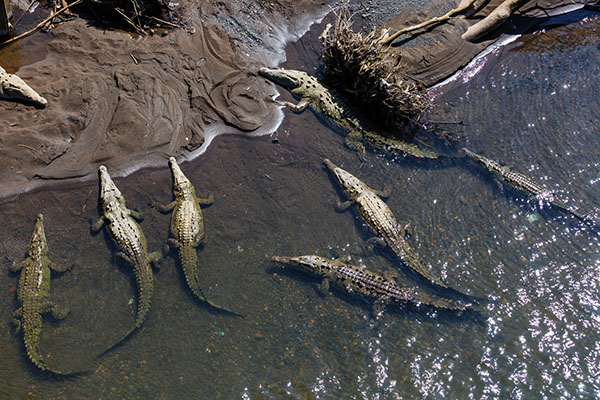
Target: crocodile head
{"x":313,"y":264}
{"x":287,"y":78}
{"x":38,"y":244}
{"x":181,"y":183}
{"x":13,"y":87}
{"x":109,"y":193}
{"x":352,"y":186}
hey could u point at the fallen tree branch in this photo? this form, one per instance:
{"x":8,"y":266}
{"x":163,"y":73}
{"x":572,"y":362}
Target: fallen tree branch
{"x":44,"y":22}
{"x":461,"y":7}
{"x":496,"y":18}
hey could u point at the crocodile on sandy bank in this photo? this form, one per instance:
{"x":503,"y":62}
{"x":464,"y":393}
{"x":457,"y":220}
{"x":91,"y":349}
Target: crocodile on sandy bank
{"x":33,"y":293}
{"x":13,"y":87}
{"x":380,"y":219}
{"x":364,"y":283}
{"x":328,"y":103}
{"x":523,"y":183}
{"x":129,"y":239}
{"x":187,"y":228}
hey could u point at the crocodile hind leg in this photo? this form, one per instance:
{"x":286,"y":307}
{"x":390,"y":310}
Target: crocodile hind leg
{"x":57,"y":312}
{"x":16,"y":319}
{"x":165,"y":208}
{"x":154,"y":259}
{"x":323,"y":287}
{"x":97,"y":225}
{"x":374,"y":241}
{"x":354,"y":141}
{"x":171,"y":243}
{"x":341,"y":207}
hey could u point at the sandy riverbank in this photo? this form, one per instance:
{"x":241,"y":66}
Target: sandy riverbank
{"x":130,"y":103}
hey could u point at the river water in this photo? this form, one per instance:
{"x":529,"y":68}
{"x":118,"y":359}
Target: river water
{"x":533,"y":105}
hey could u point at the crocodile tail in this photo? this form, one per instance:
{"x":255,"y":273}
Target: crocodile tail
{"x":189,"y":263}
{"x":413,"y":261}
{"x":32,"y":326}
{"x":438,"y":302}
{"x":143,"y":276}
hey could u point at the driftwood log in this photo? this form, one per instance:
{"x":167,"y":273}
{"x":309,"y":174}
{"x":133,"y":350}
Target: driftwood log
{"x":496,"y":18}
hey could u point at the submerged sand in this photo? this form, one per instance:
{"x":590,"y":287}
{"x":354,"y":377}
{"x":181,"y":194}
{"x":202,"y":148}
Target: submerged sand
{"x":130,"y":102}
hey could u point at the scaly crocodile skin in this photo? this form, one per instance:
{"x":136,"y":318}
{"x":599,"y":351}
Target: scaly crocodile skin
{"x":364,"y":283}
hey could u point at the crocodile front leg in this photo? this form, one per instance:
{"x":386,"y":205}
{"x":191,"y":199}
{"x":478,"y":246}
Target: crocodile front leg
{"x":205,"y":201}
{"x":341,"y":207}
{"x":298,"y":107}
{"x":136,"y":215}
{"x":18,"y":266}
{"x":165,"y":208}
{"x":97,"y":225}
{"x":56,"y":267}
{"x":323,"y":287}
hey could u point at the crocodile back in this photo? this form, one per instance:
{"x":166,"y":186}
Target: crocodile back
{"x":377,"y":215}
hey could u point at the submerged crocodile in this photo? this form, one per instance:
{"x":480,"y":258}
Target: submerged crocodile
{"x":326,"y":102}
{"x":380,"y":219}
{"x":187,"y":228}
{"x":129,"y":239}
{"x":522,"y":183}
{"x":370,"y":285}
{"x":13,"y":87}
{"x":33,"y":294}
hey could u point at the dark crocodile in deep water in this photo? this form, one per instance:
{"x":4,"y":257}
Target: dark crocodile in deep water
{"x":364,"y":283}
{"x":378,"y":216}
{"x":33,"y":293}
{"x":129,"y":240}
{"x":523,"y":183}
{"x":328,"y":103}
{"x":187,"y":228}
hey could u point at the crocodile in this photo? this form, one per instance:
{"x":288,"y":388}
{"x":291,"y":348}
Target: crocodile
{"x":13,"y":87}
{"x":328,"y":103}
{"x":522,"y":183}
{"x":129,"y":239}
{"x":187,"y":229}
{"x":382,"y":290}
{"x":380,"y":219}
{"x":33,"y":294}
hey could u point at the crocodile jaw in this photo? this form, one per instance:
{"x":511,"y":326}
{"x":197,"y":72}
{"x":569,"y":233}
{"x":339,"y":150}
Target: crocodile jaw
{"x":13,"y":87}
{"x":38,"y":244}
{"x":107,"y":186}
{"x":307,"y":263}
{"x":180,"y":181}
{"x":287,"y":79}
{"x":352,"y":186}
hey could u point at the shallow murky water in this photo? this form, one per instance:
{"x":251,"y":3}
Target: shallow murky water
{"x":533,"y":106}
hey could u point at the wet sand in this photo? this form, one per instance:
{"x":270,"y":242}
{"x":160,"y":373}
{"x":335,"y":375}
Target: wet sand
{"x":130,"y":103}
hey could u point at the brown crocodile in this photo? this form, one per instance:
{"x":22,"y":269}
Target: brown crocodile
{"x":522,"y":183}
{"x":129,"y":239}
{"x":187,"y":228}
{"x":380,"y":219}
{"x":33,"y":293}
{"x":364,"y":283}
{"x":327,"y":102}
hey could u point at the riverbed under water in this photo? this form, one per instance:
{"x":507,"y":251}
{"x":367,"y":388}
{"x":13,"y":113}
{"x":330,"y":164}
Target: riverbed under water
{"x":534,"y":106}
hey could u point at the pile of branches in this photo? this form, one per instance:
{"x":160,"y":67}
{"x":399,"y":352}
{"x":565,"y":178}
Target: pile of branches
{"x":357,"y":65}
{"x":139,"y":16}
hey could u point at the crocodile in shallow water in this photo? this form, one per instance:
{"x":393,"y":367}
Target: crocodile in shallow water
{"x":364,"y":283}
{"x":33,"y":293}
{"x":380,"y":219}
{"x":328,"y":103}
{"x":187,"y":228}
{"x":129,"y":239}
{"x":522,"y":183}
